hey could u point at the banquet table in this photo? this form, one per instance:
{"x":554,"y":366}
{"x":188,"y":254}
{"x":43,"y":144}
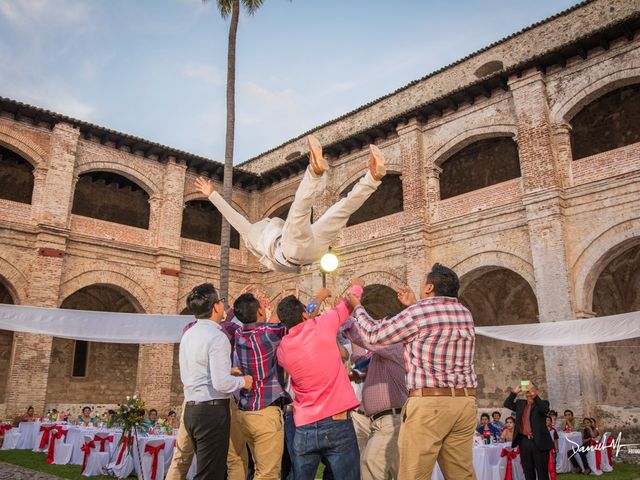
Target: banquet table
{"x":75,"y":436}
{"x":30,"y":435}
{"x":565,"y":446}
{"x":485,"y":460}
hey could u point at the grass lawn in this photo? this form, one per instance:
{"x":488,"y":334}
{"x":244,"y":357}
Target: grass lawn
{"x":37,"y":461}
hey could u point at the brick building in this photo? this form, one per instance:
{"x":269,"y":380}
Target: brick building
{"x":518,"y":166}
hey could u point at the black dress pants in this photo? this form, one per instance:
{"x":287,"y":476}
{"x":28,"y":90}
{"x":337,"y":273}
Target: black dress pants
{"x":209,"y":427}
{"x":534,"y":461}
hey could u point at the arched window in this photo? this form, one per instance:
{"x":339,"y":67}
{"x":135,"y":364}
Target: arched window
{"x":386,"y":200}
{"x":611,"y":121}
{"x":481,"y":164}
{"x":111,"y":197}
{"x":16,"y":177}
{"x":283,"y":211}
{"x":202,"y":221}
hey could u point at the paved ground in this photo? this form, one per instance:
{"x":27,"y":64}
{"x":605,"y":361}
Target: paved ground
{"x":9,"y":471}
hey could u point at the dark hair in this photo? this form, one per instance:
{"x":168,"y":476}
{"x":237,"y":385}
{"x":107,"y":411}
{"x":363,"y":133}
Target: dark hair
{"x":485,"y":415}
{"x":499,"y":414}
{"x":153,"y":410}
{"x":84,"y":408}
{"x":29,"y":408}
{"x":171,"y":412}
{"x":201,"y":300}
{"x":444,"y":280}
{"x":54,"y":410}
{"x":553,"y":412}
{"x":111,"y":412}
{"x":510,"y":418}
{"x":568,"y":411}
{"x":290,"y":311}
{"x":246,"y":308}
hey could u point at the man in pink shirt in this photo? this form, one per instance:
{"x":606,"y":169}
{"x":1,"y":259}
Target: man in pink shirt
{"x":323,"y":395}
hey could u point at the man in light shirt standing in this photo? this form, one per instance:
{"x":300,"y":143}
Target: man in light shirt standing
{"x":205,"y":371}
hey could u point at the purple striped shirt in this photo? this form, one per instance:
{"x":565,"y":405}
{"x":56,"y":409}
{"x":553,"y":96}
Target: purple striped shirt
{"x":439,"y":341}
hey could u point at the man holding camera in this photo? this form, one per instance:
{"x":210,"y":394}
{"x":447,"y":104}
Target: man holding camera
{"x":530,"y":432}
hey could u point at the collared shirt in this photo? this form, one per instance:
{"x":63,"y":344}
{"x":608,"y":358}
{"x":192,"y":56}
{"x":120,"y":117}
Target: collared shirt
{"x":205,"y":363}
{"x":256,"y":345}
{"x":439,"y":341}
{"x":309,"y":353}
{"x":230,"y":326}
{"x":384,"y":386}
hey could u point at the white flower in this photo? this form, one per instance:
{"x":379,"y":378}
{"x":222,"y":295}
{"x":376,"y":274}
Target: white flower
{"x":127,"y":397}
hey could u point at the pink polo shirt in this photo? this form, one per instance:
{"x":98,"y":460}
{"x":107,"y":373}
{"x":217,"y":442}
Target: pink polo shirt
{"x":309,"y":353}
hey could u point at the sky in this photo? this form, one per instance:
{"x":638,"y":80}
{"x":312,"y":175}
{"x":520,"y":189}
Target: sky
{"x":157,"y":68}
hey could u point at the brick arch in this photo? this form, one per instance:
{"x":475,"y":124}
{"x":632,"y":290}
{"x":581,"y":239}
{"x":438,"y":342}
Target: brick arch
{"x":595,"y":257}
{"x":21,"y":144}
{"x":467,"y":137}
{"x":191,"y":196}
{"x":356,"y":173}
{"x":580,"y":96}
{"x":15,"y":281}
{"x":474,"y":266}
{"x":377,"y":277}
{"x":142,"y":180}
{"x":134,"y":291}
{"x":280,"y":203}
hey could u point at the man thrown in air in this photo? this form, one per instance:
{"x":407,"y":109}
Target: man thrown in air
{"x":287,"y":245}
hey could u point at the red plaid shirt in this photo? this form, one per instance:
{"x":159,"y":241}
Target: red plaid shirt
{"x":439,"y":341}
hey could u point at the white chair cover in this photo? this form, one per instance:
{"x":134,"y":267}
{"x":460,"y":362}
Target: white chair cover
{"x":147,"y":461}
{"x":126,"y":465}
{"x":63,"y":451}
{"x":96,"y":461}
{"x":606,"y":440}
{"x":11,"y":439}
{"x":38,"y":440}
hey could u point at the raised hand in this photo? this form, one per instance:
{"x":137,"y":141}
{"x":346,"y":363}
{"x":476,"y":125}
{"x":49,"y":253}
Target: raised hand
{"x":516,"y":389}
{"x":406,"y":296}
{"x":322,"y":294}
{"x":352,"y":300}
{"x":357,"y":281}
{"x":204,"y":186}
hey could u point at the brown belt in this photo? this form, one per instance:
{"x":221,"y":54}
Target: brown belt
{"x":442,"y":392}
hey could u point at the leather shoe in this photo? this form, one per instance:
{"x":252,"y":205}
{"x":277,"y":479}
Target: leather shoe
{"x":376,"y":163}
{"x":318,"y":163}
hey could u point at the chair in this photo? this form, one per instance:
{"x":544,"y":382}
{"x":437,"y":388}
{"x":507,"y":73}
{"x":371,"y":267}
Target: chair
{"x":104,"y":442}
{"x":94,"y":460}
{"x":607,"y":454}
{"x":11,"y":437}
{"x":59,"y":452}
{"x":123,"y":465}
{"x":153,"y":460}
{"x":44,"y":437}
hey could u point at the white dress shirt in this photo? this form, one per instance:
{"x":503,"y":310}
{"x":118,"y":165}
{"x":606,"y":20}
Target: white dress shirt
{"x":205,"y":363}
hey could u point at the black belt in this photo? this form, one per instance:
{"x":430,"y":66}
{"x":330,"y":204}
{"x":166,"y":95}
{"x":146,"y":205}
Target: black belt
{"x":216,"y":402}
{"x":375,"y":416}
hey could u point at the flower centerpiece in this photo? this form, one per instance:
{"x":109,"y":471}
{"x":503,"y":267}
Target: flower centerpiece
{"x":130,"y":415}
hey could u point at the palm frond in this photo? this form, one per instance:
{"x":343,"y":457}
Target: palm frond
{"x":251,"y":6}
{"x":224,"y":7}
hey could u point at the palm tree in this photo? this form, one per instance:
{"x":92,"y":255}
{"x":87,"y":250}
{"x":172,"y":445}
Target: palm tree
{"x":226,"y":8}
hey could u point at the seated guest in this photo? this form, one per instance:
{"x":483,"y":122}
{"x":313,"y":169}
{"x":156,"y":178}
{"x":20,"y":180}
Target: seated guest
{"x":152,"y":421}
{"x":587,"y":435}
{"x":554,"y":417}
{"x":594,"y":429}
{"x":486,"y":429}
{"x":496,"y":421}
{"x":260,"y":409}
{"x":507,"y":432}
{"x":323,"y":393}
{"x":171,"y":420}
{"x":554,"y":436}
{"x":86,"y":419}
{"x":569,"y":424}
{"x":29,"y":415}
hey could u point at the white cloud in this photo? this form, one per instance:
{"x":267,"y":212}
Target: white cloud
{"x":286,"y":100}
{"x":25,"y":13}
{"x":204,"y":72}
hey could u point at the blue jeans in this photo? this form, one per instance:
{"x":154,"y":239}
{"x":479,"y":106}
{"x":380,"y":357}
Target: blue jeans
{"x":331,"y":441}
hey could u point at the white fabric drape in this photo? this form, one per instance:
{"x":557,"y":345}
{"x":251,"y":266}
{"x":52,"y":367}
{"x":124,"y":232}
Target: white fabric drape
{"x":143,"y":328}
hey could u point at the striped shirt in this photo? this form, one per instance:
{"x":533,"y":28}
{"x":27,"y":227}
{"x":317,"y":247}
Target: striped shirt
{"x":439,"y":341}
{"x":256,"y":345}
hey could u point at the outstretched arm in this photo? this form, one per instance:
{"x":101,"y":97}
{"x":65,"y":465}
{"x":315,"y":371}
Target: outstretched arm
{"x":236,"y":219}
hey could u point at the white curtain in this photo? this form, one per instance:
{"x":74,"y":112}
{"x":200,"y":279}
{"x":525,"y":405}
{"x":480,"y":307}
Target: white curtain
{"x":142,"y":328}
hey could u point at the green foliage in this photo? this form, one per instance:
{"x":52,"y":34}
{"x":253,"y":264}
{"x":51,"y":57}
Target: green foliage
{"x":225,"y":6}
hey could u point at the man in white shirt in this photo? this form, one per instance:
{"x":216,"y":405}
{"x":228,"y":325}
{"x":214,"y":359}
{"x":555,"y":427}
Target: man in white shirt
{"x":285,"y":246}
{"x":205,"y":370}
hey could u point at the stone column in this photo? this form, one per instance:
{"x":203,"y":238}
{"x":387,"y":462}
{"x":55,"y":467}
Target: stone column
{"x":30,"y":354}
{"x":433,"y":189}
{"x":562,"y":143}
{"x":155,"y":361}
{"x":415,"y":201}
{"x":567,"y":368}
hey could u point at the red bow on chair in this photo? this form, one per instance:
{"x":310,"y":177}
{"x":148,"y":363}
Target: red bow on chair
{"x":552,"y":466}
{"x":610,"y":451}
{"x":598,"y":453}
{"x":5,"y":428}
{"x":123,"y":448}
{"x":56,"y":434}
{"x":86,"y":448}
{"x":510,"y":454}
{"x":46,"y":429}
{"x":103,"y":440}
{"x":154,"y":451}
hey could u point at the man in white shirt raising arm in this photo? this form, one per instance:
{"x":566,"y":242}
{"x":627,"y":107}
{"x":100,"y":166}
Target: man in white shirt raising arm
{"x":205,"y":370}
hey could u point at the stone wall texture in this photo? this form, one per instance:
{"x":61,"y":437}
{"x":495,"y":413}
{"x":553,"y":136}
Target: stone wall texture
{"x":558,"y":242}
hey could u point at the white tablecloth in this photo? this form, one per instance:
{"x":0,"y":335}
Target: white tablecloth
{"x":75,"y":437}
{"x":485,"y":457}
{"x":565,"y":446}
{"x":169,"y":441}
{"x":30,"y":434}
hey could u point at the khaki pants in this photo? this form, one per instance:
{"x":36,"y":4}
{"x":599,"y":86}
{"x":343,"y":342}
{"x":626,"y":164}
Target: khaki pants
{"x":264,"y":431}
{"x":182,"y":453}
{"x":362,"y":426}
{"x":237,"y":460}
{"x":381,"y":454}
{"x":437,"y":428}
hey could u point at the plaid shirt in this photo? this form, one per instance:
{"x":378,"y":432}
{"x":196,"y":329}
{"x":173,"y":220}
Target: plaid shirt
{"x":439,"y":341}
{"x":256,"y":345}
